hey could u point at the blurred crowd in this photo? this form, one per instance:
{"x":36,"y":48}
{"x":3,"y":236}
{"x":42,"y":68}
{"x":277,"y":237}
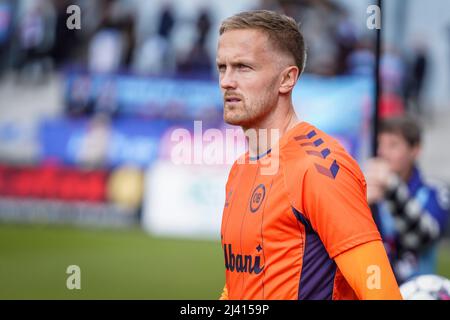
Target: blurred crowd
{"x":141,"y":38}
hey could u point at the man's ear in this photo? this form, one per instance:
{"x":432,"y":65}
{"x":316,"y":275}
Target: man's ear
{"x":289,"y":78}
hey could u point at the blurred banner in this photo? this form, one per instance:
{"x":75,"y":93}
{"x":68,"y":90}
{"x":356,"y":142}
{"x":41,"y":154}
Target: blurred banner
{"x":56,"y":194}
{"x":101,"y":142}
{"x":128,"y":95}
{"x":88,"y":164}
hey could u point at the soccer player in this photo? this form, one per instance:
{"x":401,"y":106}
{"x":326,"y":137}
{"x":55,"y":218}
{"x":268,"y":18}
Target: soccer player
{"x":411,"y":213}
{"x":305,"y":230}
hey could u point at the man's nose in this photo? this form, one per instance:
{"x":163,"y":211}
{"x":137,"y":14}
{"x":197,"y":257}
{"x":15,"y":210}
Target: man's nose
{"x":227,"y":80}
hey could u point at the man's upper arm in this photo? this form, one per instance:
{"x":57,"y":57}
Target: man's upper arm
{"x":334,"y":200}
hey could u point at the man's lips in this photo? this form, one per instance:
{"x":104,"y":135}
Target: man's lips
{"x":232,"y":99}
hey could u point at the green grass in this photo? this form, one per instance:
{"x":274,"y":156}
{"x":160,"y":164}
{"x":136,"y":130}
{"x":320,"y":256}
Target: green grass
{"x":444,"y":259}
{"x":115,"y":264}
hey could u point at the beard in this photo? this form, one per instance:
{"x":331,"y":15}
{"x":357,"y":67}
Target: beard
{"x":247,"y":113}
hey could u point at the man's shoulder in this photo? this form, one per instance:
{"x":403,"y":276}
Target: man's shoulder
{"x":310,"y":149}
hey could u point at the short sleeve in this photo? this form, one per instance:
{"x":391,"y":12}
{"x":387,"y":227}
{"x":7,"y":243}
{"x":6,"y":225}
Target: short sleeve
{"x":333,"y":200}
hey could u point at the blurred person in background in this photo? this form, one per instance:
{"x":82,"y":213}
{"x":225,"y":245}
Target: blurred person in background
{"x":361,"y":60}
{"x":346,"y":39}
{"x":410,"y":212}
{"x":392,"y":72}
{"x":416,"y":74}
{"x":198,"y":61}
{"x":66,"y":40}
{"x":155,"y":54}
{"x":112,"y":46}
{"x":8,"y":9}
{"x":36,"y":35}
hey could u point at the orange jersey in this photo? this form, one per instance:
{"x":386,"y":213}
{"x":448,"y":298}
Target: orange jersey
{"x":280,"y":232}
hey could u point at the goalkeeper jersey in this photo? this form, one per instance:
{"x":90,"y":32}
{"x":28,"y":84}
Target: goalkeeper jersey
{"x":281,"y":231}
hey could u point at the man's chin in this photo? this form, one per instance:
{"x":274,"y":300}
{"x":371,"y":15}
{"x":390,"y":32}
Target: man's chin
{"x":233,"y":121}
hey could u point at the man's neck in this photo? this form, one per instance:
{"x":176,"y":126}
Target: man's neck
{"x":262,"y":136}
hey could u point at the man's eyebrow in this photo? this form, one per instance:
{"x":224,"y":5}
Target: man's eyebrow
{"x":236,"y":62}
{"x":242,"y":61}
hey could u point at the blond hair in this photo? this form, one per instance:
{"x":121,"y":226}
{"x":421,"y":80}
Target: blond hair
{"x":283,"y":31}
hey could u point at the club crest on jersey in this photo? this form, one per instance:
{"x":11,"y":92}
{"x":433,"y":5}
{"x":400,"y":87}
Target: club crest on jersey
{"x":257,"y":198}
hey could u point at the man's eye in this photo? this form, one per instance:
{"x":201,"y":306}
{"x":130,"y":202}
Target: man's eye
{"x":221,"y":68}
{"x":243,"y":67}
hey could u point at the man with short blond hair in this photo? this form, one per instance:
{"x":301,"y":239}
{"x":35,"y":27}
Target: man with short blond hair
{"x":304,"y":231}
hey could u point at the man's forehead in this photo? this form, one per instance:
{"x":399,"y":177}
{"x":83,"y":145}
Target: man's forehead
{"x":242,"y":43}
